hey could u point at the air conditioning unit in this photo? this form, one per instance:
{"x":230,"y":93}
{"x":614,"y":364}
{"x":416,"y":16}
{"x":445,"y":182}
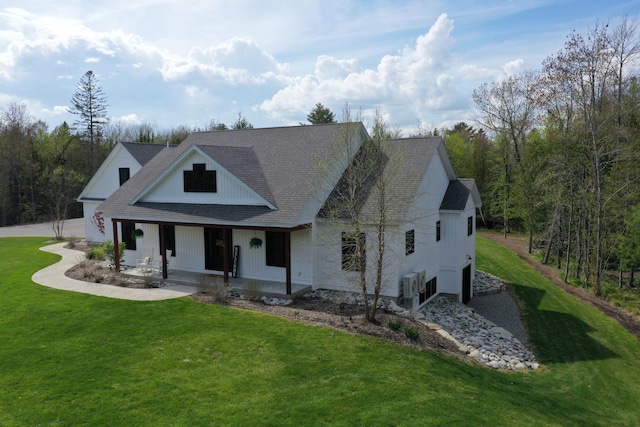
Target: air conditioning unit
{"x":422,"y":280}
{"x":410,"y":283}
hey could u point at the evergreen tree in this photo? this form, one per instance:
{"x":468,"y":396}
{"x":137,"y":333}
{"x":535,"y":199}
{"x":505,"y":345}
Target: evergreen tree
{"x":320,"y":114}
{"x":241,"y":123}
{"x":90,"y":104}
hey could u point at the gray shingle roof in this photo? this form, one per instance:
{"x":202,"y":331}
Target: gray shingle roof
{"x":142,"y":152}
{"x":406,"y":163}
{"x":280,"y":164}
{"x":455,"y":199}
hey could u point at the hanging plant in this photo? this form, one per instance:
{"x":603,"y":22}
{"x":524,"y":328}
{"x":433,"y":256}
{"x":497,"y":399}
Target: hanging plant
{"x":137,"y":233}
{"x":255,"y":243}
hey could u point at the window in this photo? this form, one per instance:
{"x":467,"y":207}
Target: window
{"x":200,"y":180}
{"x":127,"y":235}
{"x":429,"y":290}
{"x":275,"y":249}
{"x":354,"y":254}
{"x":124,"y":174}
{"x":409,"y":242}
{"x":437,"y":231}
{"x":469,"y":226}
{"x":170,"y":239}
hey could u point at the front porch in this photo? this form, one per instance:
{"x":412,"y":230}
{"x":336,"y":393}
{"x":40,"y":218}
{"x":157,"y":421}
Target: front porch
{"x":263,"y":287}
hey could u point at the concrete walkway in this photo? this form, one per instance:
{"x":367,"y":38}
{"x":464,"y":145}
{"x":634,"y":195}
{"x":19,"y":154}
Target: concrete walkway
{"x":53,"y":276}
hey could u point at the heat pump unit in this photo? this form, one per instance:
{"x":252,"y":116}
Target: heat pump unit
{"x":422,"y":280}
{"x":410,"y":283}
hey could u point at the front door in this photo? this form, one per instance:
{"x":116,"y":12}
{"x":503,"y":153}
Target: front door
{"x":214,"y":248}
{"x":466,"y":284}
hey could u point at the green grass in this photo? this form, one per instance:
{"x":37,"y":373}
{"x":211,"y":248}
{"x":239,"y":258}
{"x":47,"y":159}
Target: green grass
{"x":70,"y":359}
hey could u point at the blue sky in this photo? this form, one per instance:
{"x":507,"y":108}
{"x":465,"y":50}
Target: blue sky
{"x":172,"y":63}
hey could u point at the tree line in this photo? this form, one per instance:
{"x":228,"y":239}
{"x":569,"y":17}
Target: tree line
{"x":556,"y":151}
{"x":43,"y":171}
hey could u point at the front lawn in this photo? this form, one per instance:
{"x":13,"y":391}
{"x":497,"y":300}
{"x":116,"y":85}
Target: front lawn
{"x":71,"y":359}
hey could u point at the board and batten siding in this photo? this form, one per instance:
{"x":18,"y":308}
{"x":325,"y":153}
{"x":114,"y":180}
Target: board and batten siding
{"x":230,"y":190}
{"x":252,"y":261}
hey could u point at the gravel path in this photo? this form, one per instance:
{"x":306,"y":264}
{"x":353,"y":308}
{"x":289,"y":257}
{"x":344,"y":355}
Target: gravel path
{"x":501,"y":310}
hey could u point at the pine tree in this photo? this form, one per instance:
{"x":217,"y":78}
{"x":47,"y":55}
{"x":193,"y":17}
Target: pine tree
{"x":320,"y":114}
{"x":90,"y":104}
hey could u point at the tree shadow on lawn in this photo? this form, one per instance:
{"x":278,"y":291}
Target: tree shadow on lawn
{"x":559,"y":337}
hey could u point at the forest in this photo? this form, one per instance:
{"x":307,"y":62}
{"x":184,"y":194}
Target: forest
{"x":554,"y":152}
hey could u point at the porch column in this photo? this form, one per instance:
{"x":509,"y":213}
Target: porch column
{"x":116,"y":245}
{"x":287,"y":251}
{"x":163,"y":252}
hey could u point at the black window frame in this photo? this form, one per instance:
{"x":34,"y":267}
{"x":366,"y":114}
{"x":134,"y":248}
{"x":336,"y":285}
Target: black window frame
{"x":349,"y":252}
{"x":409,"y":242}
{"x":170,"y":238}
{"x":199,"y":179}
{"x":123,"y":175}
{"x":470,"y":226}
{"x":275,"y":248}
{"x":127,"y":229}
{"x":438,"y":231}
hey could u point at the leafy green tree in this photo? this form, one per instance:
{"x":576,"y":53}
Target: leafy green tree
{"x":320,"y":114}
{"x":90,"y":105}
{"x":629,"y":248}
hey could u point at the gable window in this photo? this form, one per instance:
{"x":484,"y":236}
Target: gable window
{"x":127,"y":235}
{"x":275,"y":249}
{"x":469,"y":226}
{"x":437,"y":231}
{"x":200,"y":180}
{"x":124,"y":174}
{"x":409,"y":242}
{"x":354,"y":254}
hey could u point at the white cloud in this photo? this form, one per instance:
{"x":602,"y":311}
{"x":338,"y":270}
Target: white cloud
{"x":513,"y":67}
{"x":419,"y":76}
{"x":128,"y":119}
{"x":92,"y":59}
{"x":236,"y":61}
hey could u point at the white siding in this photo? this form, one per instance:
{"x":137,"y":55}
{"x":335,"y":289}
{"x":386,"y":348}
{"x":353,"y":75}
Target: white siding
{"x":328,"y":246}
{"x":230,"y":190}
{"x":107,"y":178}
{"x":252,"y":262}
{"x":91,"y":232}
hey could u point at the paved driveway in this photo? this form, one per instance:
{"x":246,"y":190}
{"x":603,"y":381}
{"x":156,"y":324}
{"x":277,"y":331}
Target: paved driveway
{"x":72,"y":228}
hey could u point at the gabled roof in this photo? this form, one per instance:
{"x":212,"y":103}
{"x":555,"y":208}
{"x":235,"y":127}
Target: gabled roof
{"x":281,"y":164}
{"x":405,"y":164}
{"x":142,"y":152}
{"x":457,"y":195}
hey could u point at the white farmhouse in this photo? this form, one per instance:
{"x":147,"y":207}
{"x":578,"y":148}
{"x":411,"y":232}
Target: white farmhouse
{"x":250,"y":204}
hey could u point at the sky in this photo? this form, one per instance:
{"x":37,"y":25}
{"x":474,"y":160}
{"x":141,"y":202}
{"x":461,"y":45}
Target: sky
{"x":169,"y":63}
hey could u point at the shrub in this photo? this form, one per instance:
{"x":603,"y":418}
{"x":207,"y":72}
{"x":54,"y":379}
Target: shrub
{"x":394,"y":326}
{"x":411,"y":333}
{"x":252,"y":290}
{"x":97,"y":253}
{"x":109,"y":250}
{"x":214,"y":287}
